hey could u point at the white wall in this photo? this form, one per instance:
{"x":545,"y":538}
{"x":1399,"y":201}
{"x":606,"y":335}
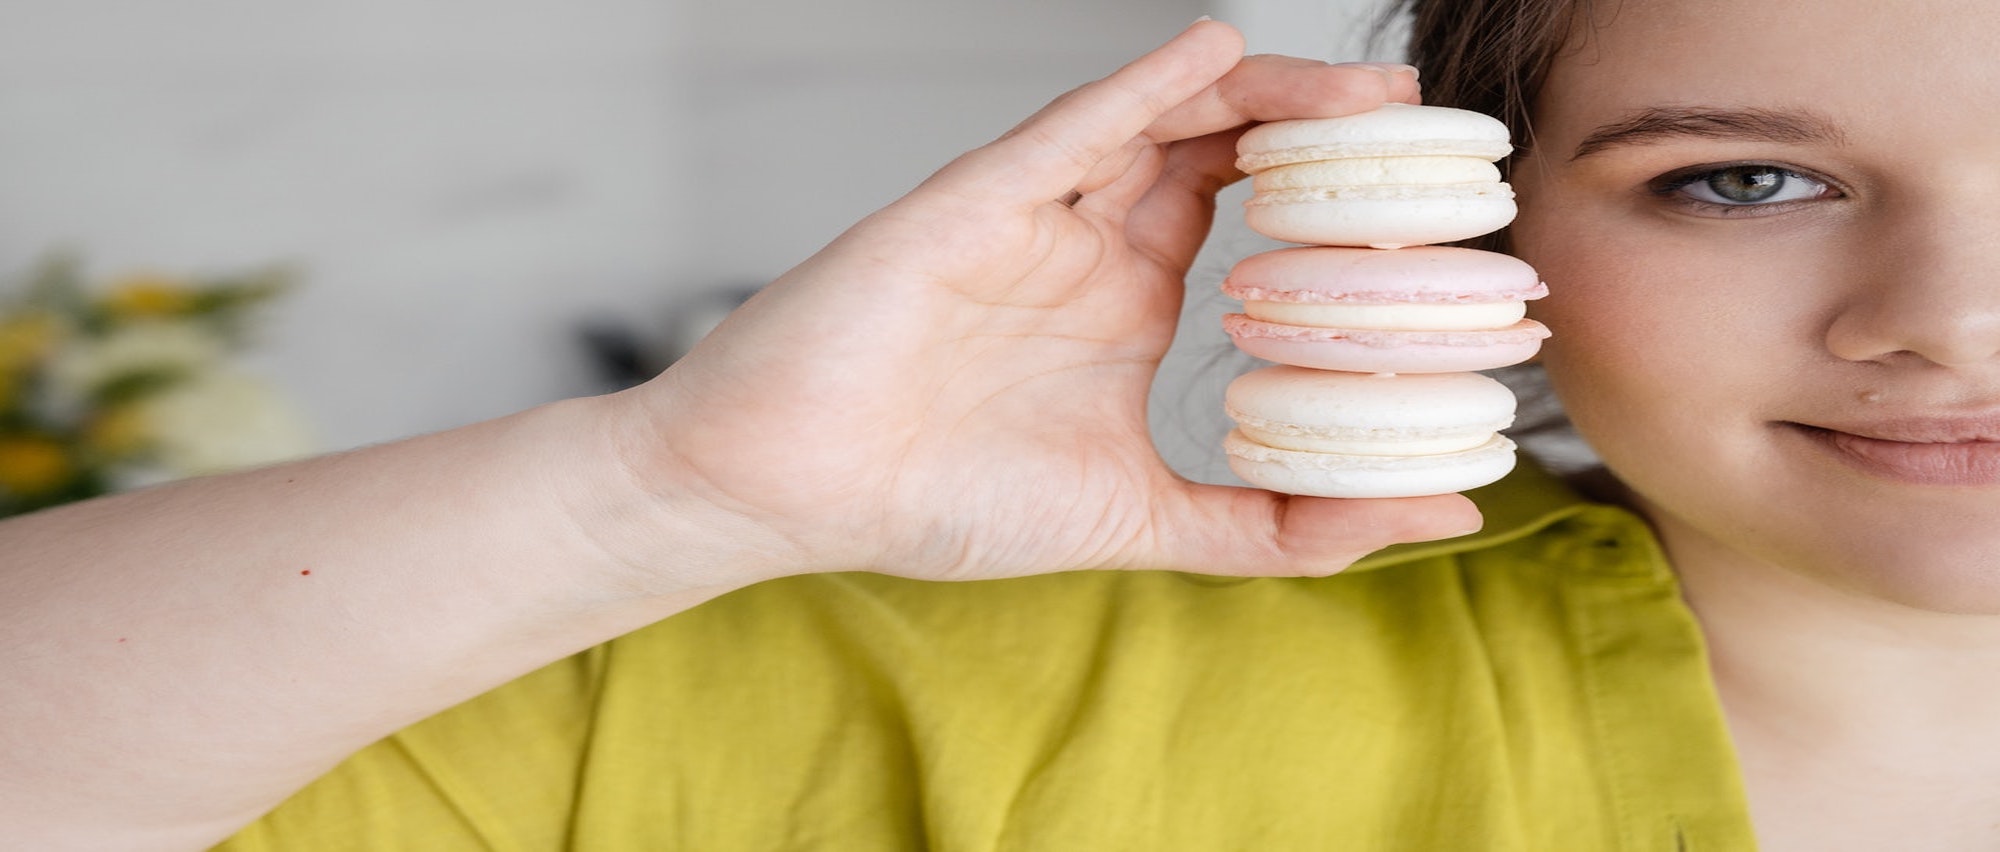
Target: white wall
{"x":464,"y":181}
{"x":1186,"y":409}
{"x":1333,"y":30}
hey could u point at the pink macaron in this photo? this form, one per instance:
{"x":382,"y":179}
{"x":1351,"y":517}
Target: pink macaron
{"x":1427,"y":309}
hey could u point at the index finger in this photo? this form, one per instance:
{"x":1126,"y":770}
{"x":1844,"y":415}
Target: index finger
{"x":1046,"y":155}
{"x":1271,"y":88}
{"x":1266,"y":88}
{"x":1197,"y":83}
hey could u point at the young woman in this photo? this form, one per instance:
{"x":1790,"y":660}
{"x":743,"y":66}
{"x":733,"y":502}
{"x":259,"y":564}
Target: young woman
{"x":1770,"y":240}
{"x":1764,"y":243}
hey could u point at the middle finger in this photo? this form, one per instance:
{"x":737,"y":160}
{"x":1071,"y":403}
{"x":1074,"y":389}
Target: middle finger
{"x":1269,"y":88}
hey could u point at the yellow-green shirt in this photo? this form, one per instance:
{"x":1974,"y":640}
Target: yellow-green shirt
{"x":1538,"y":686}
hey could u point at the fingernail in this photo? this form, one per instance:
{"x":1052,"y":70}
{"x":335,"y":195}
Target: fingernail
{"x":1384,"y":67}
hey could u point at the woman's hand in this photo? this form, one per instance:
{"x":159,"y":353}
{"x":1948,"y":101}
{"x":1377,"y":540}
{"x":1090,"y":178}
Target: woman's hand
{"x":956,"y":387}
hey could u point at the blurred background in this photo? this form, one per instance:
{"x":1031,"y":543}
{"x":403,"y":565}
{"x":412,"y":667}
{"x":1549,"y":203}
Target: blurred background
{"x":481,"y":205}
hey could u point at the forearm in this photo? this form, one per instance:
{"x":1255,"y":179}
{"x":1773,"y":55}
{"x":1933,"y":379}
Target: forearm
{"x":173,"y":661}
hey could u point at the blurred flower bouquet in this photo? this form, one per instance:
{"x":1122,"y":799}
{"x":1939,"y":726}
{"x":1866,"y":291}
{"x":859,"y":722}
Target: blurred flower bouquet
{"x":103,"y":388}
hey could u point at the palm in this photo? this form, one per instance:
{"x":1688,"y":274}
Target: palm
{"x":1034,"y":411}
{"x":999,"y":376}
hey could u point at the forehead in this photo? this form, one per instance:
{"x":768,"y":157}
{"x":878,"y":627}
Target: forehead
{"x":1912,"y":63}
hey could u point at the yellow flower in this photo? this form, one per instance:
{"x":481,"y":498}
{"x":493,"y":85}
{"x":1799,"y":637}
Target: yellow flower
{"x":171,"y":347}
{"x":31,"y":466}
{"x":25,"y":338}
{"x":146,"y":295}
{"x":117,"y":432}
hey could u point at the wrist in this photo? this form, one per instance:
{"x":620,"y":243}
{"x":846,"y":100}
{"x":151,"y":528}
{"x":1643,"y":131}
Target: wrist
{"x":653,"y":525}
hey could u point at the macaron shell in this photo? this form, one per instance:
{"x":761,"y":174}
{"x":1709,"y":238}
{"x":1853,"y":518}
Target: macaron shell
{"x":1389,"y":130}
{"x":1388,"y":410}
{"x":1422,"y":274}
{"x":1380,"y":351}
{"x":1355,"y":476}
{"x":1384,"y":218}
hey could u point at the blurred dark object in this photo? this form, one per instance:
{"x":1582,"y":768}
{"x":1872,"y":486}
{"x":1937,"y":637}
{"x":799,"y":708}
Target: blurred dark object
{"x":624,"y":354}
{"x":618,"y":355}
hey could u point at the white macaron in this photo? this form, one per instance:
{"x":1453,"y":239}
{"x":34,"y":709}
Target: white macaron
{"x":1334,"y":434}
{"x":1399,"y":175}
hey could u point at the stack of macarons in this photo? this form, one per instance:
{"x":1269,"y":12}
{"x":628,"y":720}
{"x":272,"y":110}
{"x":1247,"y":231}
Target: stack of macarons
{"x":1378,"y":333}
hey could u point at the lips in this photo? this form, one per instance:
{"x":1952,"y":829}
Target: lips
{"x":1917,"y":451}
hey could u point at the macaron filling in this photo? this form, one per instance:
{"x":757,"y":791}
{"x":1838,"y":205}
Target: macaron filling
{"x":1364,"y":442}
{"x":1484,"y":193}
{"x":1378,"y":171}
{"x":1350,"y":476}
{"x":1401,"y":316}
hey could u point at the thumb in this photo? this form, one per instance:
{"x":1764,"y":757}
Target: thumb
{"x":1217,"y":529}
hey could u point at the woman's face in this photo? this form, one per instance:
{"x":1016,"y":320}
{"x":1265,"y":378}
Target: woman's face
{"x":1771,"y":232}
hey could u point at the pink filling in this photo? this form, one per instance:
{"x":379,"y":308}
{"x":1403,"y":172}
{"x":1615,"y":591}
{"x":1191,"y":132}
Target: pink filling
{"x":1383,"y":297}
{"x":1527,"y":330}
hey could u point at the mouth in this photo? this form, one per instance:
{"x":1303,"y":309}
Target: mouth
{"x":1935,"y":452}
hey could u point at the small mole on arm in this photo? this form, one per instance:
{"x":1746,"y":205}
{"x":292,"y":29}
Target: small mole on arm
{"x":306,"y":573}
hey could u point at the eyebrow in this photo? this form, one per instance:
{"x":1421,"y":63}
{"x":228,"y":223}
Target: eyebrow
{"x":1658,"y":124}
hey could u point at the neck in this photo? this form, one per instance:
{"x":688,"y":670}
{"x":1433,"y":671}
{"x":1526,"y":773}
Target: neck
{"x":1799,"y":660}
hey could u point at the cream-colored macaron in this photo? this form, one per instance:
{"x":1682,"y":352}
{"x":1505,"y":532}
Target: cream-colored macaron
{"x":1334,"y":434}
{"x":1399,"y":175}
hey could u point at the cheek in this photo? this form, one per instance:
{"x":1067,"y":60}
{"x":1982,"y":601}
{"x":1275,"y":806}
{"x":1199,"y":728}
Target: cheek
{"x":1648,"y":352}
{"x":1611,"y":308}
{"x":1615,"y":359}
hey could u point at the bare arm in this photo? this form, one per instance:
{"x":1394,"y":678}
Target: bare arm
{"x":177,"y":660}
{"x":174,"y":662}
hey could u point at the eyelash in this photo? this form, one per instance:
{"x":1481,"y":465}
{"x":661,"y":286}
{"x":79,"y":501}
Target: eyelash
{"x":1672,"y":187}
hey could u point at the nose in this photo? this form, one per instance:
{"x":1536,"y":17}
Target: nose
{"x":1928,"y":293}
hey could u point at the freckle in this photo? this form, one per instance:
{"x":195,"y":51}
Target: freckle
{"x":121,"y":640}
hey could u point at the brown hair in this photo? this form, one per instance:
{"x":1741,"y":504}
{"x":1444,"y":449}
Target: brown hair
{"x":1492,"y":56}
{"x":1489,"y":56}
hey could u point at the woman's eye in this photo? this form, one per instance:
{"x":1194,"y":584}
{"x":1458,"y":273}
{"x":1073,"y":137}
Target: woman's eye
{"x":1742,"y":186}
